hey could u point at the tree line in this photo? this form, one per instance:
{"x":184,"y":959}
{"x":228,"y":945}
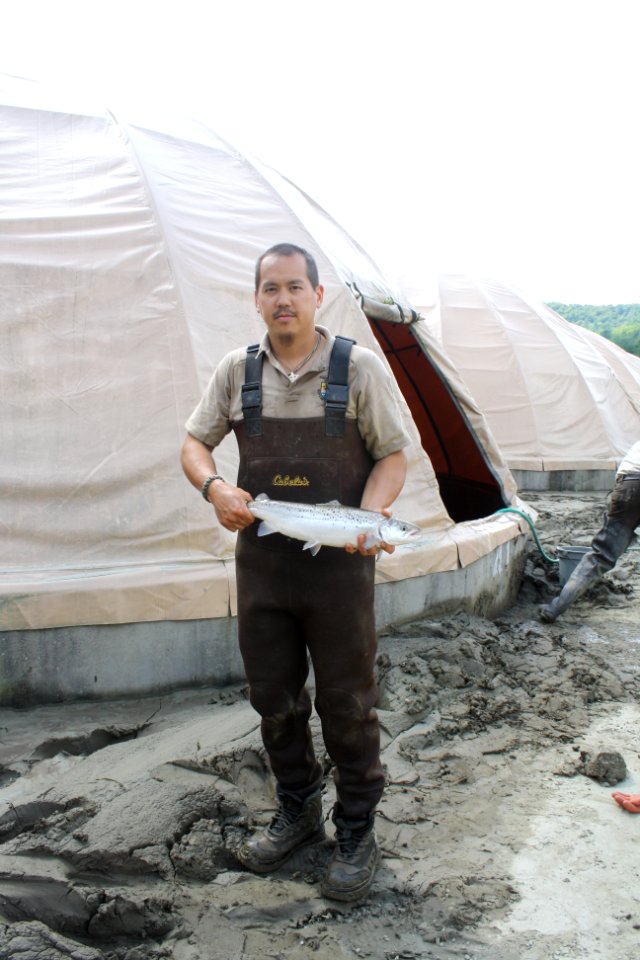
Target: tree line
{"x":617,"y":322}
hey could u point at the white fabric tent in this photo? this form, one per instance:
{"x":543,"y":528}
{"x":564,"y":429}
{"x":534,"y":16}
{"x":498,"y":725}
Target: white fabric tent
{"x":127,"y":251}
{"x":556,"y":396}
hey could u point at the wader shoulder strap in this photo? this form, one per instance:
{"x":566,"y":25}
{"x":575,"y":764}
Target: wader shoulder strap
{"x":337,"y":394}
{"x":252,"y":391}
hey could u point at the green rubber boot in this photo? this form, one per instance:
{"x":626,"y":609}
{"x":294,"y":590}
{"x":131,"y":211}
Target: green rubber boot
{"x":584,"y":576}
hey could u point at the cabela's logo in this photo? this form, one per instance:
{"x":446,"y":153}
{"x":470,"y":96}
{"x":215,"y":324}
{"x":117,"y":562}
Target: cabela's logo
{"x":287,"y":481}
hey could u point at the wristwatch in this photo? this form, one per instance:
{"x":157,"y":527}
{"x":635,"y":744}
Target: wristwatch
{"x":205,"y":486}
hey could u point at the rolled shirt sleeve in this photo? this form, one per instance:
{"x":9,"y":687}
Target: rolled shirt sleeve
{"x":210,"y":422}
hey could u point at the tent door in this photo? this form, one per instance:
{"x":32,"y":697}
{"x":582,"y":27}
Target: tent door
{"x":469,"y":487}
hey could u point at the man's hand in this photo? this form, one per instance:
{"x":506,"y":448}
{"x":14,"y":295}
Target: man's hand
{"x":230,"y":505}
{"x":383,"y":485}
{"x":372,"y":551}
{"x":228,"y":501}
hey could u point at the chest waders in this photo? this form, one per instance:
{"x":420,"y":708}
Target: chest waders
{"x":290,"y":602}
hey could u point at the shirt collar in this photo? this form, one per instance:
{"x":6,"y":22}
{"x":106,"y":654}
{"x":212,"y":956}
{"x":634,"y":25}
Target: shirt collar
{"x":265,"y":345}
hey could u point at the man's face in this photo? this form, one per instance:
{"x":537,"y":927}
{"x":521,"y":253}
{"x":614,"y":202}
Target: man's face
{"x":285,"y":298}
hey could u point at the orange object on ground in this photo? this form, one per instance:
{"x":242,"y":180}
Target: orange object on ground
{"x":628,"y":801}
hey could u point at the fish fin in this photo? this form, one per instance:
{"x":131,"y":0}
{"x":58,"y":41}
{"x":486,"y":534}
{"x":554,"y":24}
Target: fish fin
{"x":264,"y":529}
{"x":371,"y":540}
{"x":313,"y":546}
{"x":263,"y":496}
{"x":329,"y":503}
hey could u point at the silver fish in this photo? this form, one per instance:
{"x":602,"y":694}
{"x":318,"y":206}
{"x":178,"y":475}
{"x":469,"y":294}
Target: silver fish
{"x":329,"y":524}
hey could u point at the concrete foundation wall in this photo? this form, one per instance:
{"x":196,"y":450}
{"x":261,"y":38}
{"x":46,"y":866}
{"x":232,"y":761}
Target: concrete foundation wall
{"x":138,"y":659}
{"x":575,"y":481}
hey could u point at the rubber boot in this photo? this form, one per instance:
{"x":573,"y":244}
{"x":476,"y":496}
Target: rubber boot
{"x":584,"y":576}
{"x":352,"y":867}
{"x":295,"y":824}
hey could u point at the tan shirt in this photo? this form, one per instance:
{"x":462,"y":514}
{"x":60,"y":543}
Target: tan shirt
{"x":372,"y":401}
{"x":631,"y":462}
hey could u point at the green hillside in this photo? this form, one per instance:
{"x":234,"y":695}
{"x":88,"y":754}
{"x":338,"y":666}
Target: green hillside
{"x":617,"y":322}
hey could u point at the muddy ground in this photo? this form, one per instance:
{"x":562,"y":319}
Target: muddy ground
{"x":500,"y":840}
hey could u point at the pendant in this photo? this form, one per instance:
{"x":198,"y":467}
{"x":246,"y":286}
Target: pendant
{"x":292,"y":377}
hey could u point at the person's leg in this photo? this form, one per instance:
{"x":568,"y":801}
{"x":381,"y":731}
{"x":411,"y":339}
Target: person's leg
{"x":609,"y":543}
{"x":275,"y":659}
{"x":276,"y":664}
{"x":623,"y":516}
{"x":584,"y":576}
{"x":342,"y":639}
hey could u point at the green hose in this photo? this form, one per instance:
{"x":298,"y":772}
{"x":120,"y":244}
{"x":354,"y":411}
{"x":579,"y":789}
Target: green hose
{"x":533,"y":530}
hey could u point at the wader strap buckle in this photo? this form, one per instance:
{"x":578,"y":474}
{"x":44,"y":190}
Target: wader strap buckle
{"x":337,"y":394}
{"x":252,"y":391}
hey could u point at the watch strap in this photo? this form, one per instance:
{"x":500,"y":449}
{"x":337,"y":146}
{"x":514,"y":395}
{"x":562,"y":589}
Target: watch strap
{"x":205,"y":486}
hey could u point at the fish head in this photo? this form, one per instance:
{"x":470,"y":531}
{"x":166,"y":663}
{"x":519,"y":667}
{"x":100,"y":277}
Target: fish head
{"x":396,"y":532}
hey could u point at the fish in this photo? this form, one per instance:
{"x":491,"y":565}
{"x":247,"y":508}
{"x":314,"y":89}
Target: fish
{"x":329,"y":524}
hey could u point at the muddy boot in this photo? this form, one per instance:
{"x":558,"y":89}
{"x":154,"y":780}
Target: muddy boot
{"x":547,"y":612}
{"x":350,"y":871}
{"x":583,"y":577}
{"x":296,"y":824}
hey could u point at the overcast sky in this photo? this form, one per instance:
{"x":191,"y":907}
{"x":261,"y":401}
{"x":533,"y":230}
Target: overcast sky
{"x":497,"y":138}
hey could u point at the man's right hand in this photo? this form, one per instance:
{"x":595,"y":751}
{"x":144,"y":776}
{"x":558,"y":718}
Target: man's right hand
{"x":228,"y":501}
{"x":230,"y":505}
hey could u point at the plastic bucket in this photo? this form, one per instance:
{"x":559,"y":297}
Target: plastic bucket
{"x":569,"y":558}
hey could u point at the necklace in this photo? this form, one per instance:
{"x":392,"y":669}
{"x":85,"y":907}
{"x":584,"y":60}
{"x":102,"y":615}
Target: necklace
{"x":292,"y":374}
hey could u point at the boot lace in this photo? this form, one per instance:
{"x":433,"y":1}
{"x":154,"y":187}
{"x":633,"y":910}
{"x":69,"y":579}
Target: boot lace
{"x":287,"y":813}
{"x":349,"y":839}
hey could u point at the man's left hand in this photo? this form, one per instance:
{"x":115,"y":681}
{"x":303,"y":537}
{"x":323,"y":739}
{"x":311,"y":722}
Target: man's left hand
{"x":371,"y":551}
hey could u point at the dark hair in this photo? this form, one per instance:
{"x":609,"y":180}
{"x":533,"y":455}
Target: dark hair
{"x":290,"y":250}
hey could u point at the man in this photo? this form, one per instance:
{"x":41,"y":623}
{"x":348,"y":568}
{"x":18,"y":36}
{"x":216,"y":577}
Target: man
{"x":613,"y":538}
{"x":316,"y":419}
